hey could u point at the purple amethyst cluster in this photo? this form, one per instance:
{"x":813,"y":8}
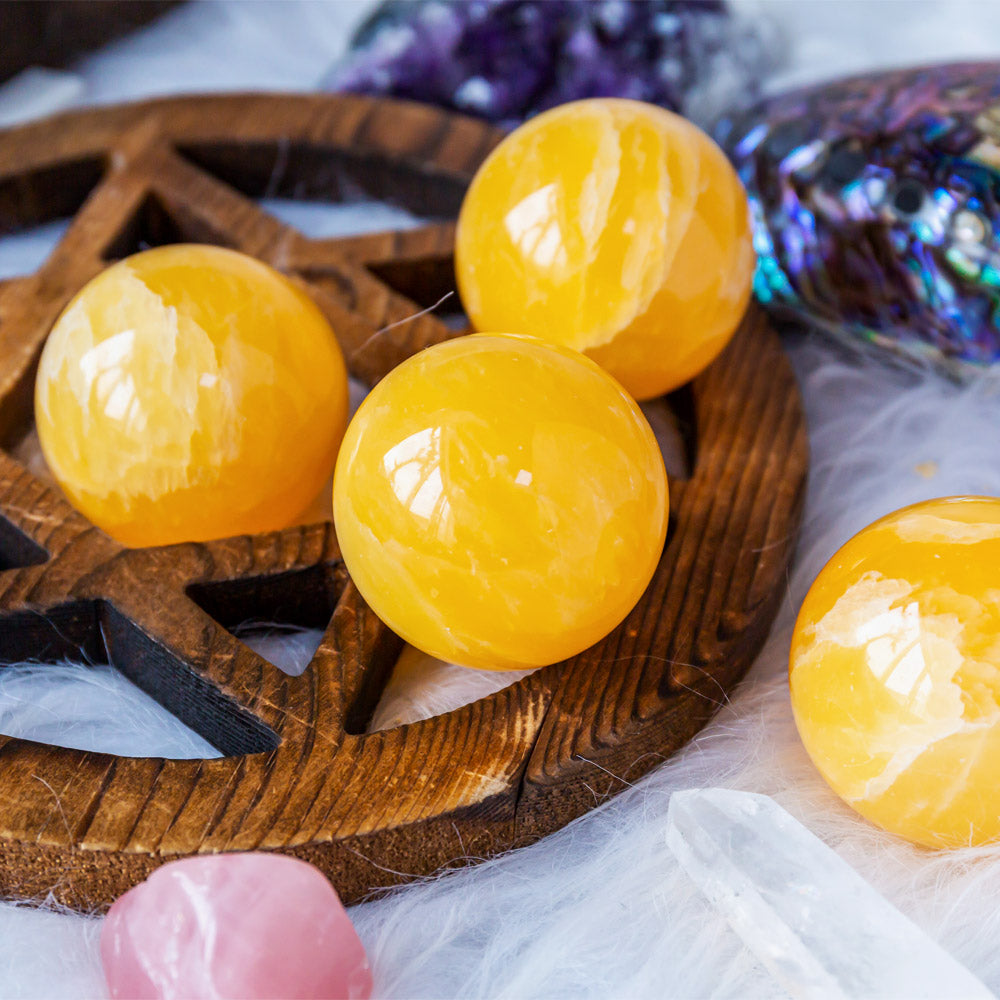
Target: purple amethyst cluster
{"x":505,"y":60}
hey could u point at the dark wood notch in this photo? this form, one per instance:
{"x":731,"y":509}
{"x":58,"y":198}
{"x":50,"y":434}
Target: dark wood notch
{"x":17,"y":550}
{"x":94,"y":632}
{"x":47,"y":192}
{"x":426,"y":280}
{"x":17,"y":415}
{"x":675,"y":433}
{"x":308,"y":172}
{"x":305,"y":598}
{"x":156,"y":223}
{"x":365,"y":698}
{"x":198,"y":703}
{"x":69,"y":631}
{"x":683,"y":405}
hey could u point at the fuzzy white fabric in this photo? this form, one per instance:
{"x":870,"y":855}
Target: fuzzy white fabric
{"x":600,"y":909}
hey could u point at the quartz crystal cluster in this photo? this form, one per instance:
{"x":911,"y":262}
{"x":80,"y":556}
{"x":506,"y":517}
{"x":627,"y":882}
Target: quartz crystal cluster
{"x":505,"y":60}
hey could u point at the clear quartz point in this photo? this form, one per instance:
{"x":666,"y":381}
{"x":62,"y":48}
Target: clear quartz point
{"x":818,"y":927}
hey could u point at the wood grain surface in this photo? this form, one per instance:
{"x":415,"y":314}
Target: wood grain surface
{"x":300,"y":775}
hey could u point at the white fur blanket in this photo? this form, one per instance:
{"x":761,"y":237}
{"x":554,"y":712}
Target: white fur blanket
{"x":600,"y":909}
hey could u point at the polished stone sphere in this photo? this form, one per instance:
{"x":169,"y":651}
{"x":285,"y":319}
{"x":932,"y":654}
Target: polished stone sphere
{"x":895,"y":672}
{"x":190,"y":392}
{"x":500,"y":503}
{"x":613,"y":227}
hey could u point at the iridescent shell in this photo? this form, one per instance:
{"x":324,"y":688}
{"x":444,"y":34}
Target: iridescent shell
{"x":876,"y":204}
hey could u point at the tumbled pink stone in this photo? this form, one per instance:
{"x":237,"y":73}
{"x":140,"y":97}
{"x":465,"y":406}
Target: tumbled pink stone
{"x":227,"y":926}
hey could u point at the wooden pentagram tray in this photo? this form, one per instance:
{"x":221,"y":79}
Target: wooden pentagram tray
{"x":300,"y":775}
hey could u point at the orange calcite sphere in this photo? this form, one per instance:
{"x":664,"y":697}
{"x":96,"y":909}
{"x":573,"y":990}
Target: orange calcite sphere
{"x":188,"y":393}
{"x":500,"y":503}
{"x":895,"y":672}
{"x":613,"y":227}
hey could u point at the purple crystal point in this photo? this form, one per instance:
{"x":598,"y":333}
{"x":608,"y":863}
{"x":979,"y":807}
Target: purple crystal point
{"x":505,"y":60}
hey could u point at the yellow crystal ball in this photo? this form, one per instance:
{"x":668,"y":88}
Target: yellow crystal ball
{"x":500,"y":503}
{"x":613,"y":227}
{"x":895,"y":672}
{"x":188,"y":393}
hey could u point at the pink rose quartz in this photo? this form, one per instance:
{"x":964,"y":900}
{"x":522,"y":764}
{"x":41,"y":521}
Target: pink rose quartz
{"x":227,"y":926}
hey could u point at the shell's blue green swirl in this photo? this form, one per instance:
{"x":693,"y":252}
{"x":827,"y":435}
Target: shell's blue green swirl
{"x":876,"y":204}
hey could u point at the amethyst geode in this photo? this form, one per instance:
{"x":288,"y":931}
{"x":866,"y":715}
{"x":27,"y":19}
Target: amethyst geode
{"x":505,"y":60}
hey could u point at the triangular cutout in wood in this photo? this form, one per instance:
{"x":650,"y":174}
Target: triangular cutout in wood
{"x":17,"y":550}
{"x":427,"y":281}
{"x":157,"y":223}
{"x":259,"y":610}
